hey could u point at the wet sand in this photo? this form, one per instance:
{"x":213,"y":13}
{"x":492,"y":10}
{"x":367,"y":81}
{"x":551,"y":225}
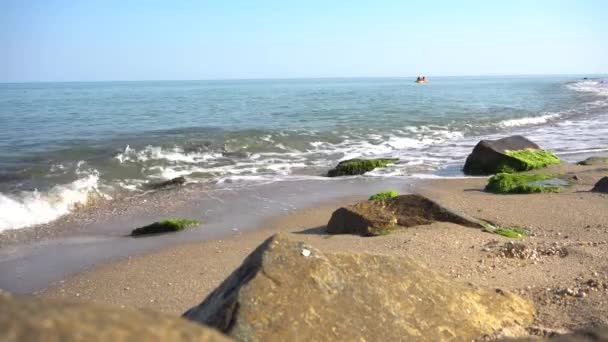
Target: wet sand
{"x":563,"y":268}
{"x":34,"y":258}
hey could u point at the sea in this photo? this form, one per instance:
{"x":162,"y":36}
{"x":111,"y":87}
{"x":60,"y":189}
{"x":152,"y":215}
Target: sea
{"x":66,"y":145}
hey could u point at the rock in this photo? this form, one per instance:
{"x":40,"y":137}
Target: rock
{"x":280,"y":295}
{"x":165,"y":226}
{"x":172,"y":182}
{"x":369,"y":218}
{"x":598,"y":334}
{"x":32,"y":319}
{"x":364,"y":218}
{"x":353,"y":167}
{"x":594,"y":161}
{"x":511,"y":154}
{"x":236,"y":155}
{"x":601,"y":186}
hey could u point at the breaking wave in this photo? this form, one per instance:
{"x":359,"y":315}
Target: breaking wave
{"x":424,"y":146}
{"x":533,"y":120}
{"x":34,"y":207}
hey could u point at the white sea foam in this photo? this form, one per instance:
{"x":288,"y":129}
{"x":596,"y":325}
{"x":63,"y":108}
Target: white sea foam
{"x":34,"y":207}
{"x":176,"y":154}
{"x":532,"y":120}
{"x":599,"y":87}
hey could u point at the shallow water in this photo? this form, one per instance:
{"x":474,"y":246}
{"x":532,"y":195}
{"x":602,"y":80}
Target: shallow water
{"x":100,"y":235}
{"x":62,"y":144}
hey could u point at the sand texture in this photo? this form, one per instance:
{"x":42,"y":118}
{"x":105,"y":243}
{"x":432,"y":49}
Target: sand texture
{"x":562,"y":265}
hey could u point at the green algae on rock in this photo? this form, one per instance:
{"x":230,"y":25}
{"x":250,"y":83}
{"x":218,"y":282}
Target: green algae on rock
{"x":384,"y":195}
{"x":511,"y":232}
{"x":353,"y":167}
{"x":508,"y":183}
{"x":529,"y":159}
{"x":165,"y":226}
{"x":510,"y":154}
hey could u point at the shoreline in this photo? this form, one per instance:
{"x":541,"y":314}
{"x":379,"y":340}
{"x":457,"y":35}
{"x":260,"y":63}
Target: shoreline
{"x":39,"y":257}
{"x":176,"y":278}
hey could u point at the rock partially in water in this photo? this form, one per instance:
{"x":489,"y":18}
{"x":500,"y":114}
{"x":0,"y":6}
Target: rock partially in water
{"x":30,"y":319}
{"x":594,"y":161}
{"x":166,"y":184}
{"x":280,"y":294}
{"x":601,"y":186}
{"x":354,"y":167}
{"x":165,"y":226}
{"x":510,"y":154}
{"x":370,"y":218}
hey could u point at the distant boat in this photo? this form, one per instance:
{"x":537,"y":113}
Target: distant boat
{"x":421,"y":80}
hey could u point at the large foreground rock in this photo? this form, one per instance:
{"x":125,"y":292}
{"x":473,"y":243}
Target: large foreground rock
{"x":29,"y":319}
{"x":289,"y":291}
{"x":369,"y":218}
{"x":601,"y":186}
{"x":494,"y":156}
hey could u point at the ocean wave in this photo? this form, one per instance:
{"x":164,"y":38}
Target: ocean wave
{"x":33,"y":207}
{"x":212,"y":166}
{"x":597,"y":86}
{"x":531,"y":120}
{"x":175,"y":154}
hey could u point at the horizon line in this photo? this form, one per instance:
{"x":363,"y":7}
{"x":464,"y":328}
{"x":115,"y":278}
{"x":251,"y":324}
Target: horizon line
{"x":303,"y":78}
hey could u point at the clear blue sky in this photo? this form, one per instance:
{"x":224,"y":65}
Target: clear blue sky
{"x":61,"y":40}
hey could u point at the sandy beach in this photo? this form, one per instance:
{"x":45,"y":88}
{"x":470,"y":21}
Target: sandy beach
{"x":321,"y":171}
{"x":565,"y":254}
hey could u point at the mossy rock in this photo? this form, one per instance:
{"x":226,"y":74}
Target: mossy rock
{"x":511,"y":154}
{"x":373,"y":218}
{"x":165,"y":226}
{"x":384,"y":195}
{"x":508,"y":183}
{"x":525,"y":160}
{"x":353,"y":167}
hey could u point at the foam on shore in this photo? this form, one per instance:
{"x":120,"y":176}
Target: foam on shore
{"x":33,"y":207}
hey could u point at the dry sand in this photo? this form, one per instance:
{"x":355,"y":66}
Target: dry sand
{"x":568,"y":288}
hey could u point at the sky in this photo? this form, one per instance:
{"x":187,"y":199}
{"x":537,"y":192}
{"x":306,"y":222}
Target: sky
{"x":97,"y":40}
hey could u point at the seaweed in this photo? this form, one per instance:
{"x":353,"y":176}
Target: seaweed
{"x":165,"y":226}
{"x":513,"y":232}
{"x":528,"y":159}
{"x":384,"y":195}
{"x":358,"y":166}
{"x":509,"y":183}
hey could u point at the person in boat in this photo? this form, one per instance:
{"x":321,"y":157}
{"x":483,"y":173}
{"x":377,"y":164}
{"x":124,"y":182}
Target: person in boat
{"x":423,"y":78}
{"x":418,"y":79}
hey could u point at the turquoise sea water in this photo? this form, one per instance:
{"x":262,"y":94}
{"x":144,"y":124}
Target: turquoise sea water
{"x":62,"y":143}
